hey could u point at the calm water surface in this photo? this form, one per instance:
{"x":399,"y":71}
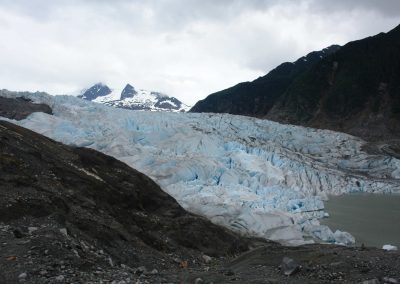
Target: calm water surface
{"x":373,"y":219}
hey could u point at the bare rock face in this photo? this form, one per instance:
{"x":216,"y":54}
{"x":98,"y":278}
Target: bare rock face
{"x":128,"y":92}
{"x":98,"y":90}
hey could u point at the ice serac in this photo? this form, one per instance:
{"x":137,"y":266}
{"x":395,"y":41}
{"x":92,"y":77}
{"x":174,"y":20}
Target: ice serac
{"x":254,"y":176}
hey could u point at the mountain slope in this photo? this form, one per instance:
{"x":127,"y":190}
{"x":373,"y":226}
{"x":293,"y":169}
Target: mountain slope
{"x":130,"y":98}
{"x":256,"y":98}
{"x":355,"y":90}
{"x":97,"y":90}
{"x":20,"y":108}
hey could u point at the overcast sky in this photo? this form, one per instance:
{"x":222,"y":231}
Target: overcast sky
{"x":185,"y":48}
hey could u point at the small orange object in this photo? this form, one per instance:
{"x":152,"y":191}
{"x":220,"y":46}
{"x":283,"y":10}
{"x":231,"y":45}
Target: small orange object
{"x":12,"y":257}
{"x":184,"y":264}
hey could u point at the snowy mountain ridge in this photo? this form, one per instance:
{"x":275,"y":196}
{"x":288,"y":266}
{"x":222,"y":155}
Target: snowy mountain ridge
{"x":130,"y":98}
{"x":254,"y":176}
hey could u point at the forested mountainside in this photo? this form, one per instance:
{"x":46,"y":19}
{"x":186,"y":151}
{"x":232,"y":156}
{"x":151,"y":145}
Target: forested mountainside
{"x":354,"y":89}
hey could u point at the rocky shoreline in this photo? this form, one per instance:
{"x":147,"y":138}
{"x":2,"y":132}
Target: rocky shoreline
{"x":47,"y":254}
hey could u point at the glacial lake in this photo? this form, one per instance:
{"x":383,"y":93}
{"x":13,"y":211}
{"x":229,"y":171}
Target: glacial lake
{"x":373,"y":219}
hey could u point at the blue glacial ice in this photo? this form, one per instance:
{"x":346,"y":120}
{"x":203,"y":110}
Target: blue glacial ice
{"x":254,"y":176}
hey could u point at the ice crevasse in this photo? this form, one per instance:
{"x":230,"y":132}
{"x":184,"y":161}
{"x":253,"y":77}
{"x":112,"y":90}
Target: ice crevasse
{"x":257,"y":177}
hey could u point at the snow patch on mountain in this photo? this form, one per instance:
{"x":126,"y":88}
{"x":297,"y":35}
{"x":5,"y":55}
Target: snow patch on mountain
{"x":254,"y":176}
{"x":130,"y":98}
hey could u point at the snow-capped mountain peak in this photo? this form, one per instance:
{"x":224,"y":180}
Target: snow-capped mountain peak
{"x":97,"y":90}
{"x":131,"y":98}
{"x":128,"y":92}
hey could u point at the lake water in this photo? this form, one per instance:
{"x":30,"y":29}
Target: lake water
{"x":373,"y":219}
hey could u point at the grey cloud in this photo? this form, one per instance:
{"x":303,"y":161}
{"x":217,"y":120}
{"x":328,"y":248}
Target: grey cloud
{"x":166,"y":14}
{"x":188,"y":10}
{"x":177,"y":14}
{"x":187,"y":48}
{"x":386,"y":7}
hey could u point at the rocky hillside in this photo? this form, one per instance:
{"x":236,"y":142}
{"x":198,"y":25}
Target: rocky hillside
{"x":256,"y":98}
{"x":130,"y":98}
{"x":354,"y":89}
{"x":20,"y":108}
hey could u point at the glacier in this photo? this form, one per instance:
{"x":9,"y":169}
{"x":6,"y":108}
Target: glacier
{"x":256,"y":177}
